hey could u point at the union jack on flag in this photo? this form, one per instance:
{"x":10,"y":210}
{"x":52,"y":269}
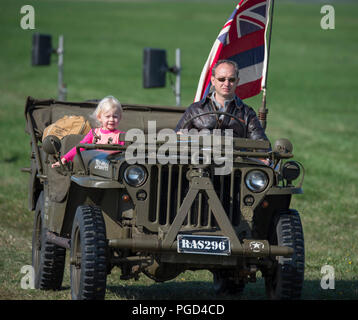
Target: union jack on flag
{"x":243,"y":40}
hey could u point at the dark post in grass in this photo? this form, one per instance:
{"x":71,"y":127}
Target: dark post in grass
{"x":41,"y":56}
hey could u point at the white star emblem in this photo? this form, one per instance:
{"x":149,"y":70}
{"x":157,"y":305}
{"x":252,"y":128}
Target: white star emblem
{"x":256,"y":246}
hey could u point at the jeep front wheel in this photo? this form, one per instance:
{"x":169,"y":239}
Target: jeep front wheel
{"x":88,"y":255}
{"x":285,"y":279}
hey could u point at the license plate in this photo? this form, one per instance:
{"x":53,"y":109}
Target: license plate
{"x":214,"y":245}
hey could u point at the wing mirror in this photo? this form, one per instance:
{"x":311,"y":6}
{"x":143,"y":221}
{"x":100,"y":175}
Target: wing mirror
{"x":51,"y":145}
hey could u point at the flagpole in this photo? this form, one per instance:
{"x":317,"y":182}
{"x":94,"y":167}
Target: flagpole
{"x":263,"y":110}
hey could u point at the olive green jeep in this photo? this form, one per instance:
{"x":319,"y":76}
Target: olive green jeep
{"x":161,"y":207}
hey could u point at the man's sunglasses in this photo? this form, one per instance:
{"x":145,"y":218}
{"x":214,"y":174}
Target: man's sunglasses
{"x":231,"y":80}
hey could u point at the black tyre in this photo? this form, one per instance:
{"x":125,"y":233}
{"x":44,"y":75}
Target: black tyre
{"x":88,"y":255}
{"x":223,"y":284}
{"x":285,"y":279}
{"x":48,"y":259}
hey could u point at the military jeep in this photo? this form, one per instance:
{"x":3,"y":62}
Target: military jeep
{"x":158,"y":218}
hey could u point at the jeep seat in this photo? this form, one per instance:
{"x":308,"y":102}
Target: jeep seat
{"x":70,"y":141}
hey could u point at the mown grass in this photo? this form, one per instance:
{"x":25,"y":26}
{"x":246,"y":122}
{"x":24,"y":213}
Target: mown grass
{"x":312,"y":100}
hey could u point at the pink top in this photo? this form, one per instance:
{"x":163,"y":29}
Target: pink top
{"x":104,"y":137}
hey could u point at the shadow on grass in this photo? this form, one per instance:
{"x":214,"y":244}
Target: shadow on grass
{"x":10,"y":159}
{"x":165,"y":291}
{"x":186,"y":290}
{"x":203,"y":290}
{"x":343,"y":290}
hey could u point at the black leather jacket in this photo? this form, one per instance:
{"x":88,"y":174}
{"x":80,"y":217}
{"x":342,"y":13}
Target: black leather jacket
{"x":250,"y":128}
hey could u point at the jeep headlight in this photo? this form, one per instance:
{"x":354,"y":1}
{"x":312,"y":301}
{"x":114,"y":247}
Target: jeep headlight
{"x":135,"y":175}
{"x":256,"y":180}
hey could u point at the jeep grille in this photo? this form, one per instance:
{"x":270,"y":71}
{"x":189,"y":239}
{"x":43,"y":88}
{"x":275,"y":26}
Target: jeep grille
{"x":169,"y":186}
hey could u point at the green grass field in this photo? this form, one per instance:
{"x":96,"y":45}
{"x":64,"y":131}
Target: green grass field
{"x":312,"y":100}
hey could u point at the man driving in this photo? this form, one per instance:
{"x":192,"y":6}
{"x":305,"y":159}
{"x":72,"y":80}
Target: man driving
{"x":224,"y":80}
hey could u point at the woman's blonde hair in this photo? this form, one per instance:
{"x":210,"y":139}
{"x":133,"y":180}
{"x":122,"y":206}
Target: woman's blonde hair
{"x":106,"y":104}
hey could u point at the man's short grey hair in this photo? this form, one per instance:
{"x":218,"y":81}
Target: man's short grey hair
{"x":233,"y":63}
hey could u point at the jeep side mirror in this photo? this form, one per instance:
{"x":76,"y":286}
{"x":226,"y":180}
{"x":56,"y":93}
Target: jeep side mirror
{"x":51,"y":145}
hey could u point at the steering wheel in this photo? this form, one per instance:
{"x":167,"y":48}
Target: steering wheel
{"x":220,"y":113}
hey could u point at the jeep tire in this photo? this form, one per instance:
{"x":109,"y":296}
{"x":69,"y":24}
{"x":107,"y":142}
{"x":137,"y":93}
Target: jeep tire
{"x":285,"y":279}
{"x":48,"y":259}
{"x":88,"y":269}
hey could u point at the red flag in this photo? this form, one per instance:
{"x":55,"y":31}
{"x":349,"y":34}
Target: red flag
{"x":243,"y":40}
